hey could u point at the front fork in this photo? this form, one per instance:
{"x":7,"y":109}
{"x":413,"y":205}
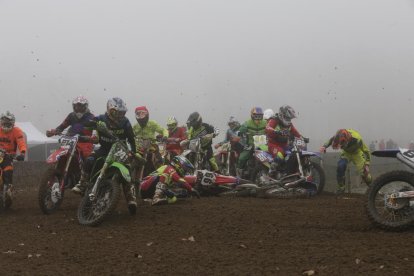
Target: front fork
{"x":92,"y":195}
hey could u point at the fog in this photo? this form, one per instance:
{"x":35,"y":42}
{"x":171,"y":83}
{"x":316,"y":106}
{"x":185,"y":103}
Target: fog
{"x":339,"y":63}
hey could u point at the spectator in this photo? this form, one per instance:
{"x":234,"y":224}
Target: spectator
{"x":381,"y":145}
{"x":372,"y":146}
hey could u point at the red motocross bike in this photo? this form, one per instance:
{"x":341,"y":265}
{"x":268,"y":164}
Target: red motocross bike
{"x":64,"y":173}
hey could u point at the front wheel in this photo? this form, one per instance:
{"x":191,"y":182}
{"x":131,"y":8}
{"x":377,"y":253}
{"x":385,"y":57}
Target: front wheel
{"x":50,"y":196}
{"x":385,"y":207}
{"x":92,"y":211}
{"x":317,"y":175}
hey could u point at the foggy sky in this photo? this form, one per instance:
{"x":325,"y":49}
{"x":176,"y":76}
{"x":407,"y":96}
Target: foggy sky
{"x":339,"y":63}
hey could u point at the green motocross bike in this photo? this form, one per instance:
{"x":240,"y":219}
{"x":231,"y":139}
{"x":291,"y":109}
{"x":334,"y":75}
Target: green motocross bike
{"x":104,"y":187}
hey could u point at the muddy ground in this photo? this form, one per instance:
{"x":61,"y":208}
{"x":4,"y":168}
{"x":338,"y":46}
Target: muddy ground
{"x":210,"y":236}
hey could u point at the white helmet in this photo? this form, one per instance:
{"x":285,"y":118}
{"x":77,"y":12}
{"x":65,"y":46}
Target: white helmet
{"x":7,"y":121}
{"x":80,"y":106}
{"x":268,"y":113}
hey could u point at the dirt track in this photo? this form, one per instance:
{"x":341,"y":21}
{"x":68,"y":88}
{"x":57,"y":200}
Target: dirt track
{"x":232,"y":236}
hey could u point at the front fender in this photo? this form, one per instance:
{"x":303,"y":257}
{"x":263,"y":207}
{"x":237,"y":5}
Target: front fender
{"x":124,"y":171}
{"x":312,"y":154}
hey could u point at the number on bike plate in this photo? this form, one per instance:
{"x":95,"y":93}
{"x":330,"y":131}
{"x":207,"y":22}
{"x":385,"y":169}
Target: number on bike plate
{"x":409,"y":153}
{"x":208,"y":178}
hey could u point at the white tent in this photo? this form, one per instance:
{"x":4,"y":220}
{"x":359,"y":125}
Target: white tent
{"x":39,"y":146}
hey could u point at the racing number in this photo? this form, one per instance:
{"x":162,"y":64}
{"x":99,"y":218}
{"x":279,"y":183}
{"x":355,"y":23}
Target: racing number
{"x":208,"y":179}
{"x":409,"y":153}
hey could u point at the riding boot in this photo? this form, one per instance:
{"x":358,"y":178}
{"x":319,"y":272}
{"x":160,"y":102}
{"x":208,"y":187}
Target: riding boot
{"x":159,"y":197}
{"x":341,"y":186}
{"x":129,"y":192}
{"x":81,"y":186}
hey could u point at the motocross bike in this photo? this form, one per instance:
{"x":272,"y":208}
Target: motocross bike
{"x":226,"y":159}
{"x":195,"y":153}
{"x":298,"y":176}
{"x":64,"y":173}
{"x":104,"y":186}
{"x":390,"y":197}
{"x":5,"y":198}
{"x":209,"y":183}
{"x":151,"y":153}
{"x":259,"y":143}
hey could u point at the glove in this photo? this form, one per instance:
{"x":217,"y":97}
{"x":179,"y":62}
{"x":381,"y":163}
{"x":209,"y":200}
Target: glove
{"x":101,"y":126}
{"x":94,"y":139}
{"x":216,"y":146}
{"x":20,"y":157}
{"x":216,"y":132}
{"x":235,"y":139}
{"x":322,"y":149}
{"x":283,"y":132}
{"x":195,"y":193}
{"x":184,"y":143}
{"x":50,"y":133}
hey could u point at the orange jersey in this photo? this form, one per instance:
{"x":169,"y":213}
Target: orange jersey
{"x":10,"y":141}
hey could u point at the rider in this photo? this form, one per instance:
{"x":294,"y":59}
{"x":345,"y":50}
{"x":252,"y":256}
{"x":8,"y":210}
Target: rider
{"x":254,"y":126}
{"x":268,"y":114}
{"x":146,"y":129}
{"x":175,"y":136}
{"x":76,"y":121}
{"x":353,"y":149}
{"x":232,"y":136}
{"x":115,"y":121}
{"x":11,"y":139}
{"x":198,"y":129}
{"x":158,"y":182}
{"x":278,"y":131}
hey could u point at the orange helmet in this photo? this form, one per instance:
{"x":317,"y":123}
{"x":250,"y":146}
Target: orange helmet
{"x":341,"y":139}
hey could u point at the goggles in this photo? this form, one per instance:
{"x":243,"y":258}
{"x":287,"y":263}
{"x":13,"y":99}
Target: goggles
{"x":141,"y":114}
{"x":257,"y":116}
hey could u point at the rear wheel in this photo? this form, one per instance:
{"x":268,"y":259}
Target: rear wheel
{"x":385,"y":208}
{"x":92,"y":212}
{"x":50,"y":196}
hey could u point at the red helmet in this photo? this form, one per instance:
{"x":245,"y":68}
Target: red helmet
{"x":341,"y":139}
{"x":141,"y":112}
{"x":142,"y":115}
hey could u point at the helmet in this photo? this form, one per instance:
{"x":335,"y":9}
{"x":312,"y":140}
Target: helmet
{"x":182,"y":165}
{"x":172,"y":123}
{"x":142,"y":114}
{"x":7,"y":121}
{"x":268,"y":113}
{"x":233,"y":123}
{"x":341,"y":139}
{"x":286,"y":114}
{"x":256,"y":113}
{"x":116,"y":109}
{"x":80,"y":106}
{"x":194,"y":120}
